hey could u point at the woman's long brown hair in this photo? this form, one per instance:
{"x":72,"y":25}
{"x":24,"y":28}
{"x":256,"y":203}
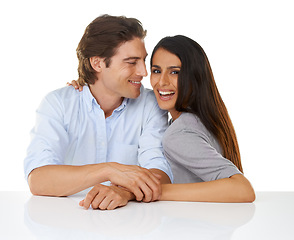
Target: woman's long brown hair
{"x":198,"y":93}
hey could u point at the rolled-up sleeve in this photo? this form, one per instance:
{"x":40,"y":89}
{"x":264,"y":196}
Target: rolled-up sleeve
{"x":49,"y":137}
{"x":192,"y":151}
{"x":150,"y":142}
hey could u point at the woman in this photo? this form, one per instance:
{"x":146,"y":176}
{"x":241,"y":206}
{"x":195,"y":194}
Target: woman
{"x":200,"y":143}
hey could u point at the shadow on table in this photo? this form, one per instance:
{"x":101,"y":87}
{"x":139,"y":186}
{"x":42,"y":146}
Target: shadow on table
{"x":62,"y":217}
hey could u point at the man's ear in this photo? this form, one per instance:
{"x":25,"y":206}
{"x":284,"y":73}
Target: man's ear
{"x":97,"y":63}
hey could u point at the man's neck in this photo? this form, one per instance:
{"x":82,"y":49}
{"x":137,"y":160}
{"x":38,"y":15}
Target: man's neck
{"x":108,"y":102}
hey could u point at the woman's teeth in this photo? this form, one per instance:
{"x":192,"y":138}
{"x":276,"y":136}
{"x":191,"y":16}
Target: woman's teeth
{"x":165,"y":93}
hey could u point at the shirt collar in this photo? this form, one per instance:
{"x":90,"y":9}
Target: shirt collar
{"x":89,"y":98}
{"x":122,"y":106}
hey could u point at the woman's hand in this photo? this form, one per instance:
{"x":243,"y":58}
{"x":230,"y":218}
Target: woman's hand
{"x":75,"y":84}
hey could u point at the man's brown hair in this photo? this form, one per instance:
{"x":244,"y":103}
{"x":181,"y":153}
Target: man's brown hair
{"x":102,"y":38}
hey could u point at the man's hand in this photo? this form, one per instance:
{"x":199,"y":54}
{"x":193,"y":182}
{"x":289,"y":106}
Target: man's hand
{"x":106,"y":197}
{"x":142,"y":182}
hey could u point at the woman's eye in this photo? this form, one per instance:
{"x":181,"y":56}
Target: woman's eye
{"x":175,"y":72}
{"x":156,"y":71}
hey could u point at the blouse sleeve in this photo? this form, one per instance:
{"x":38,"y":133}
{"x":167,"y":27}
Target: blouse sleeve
{"x":194,"y":151}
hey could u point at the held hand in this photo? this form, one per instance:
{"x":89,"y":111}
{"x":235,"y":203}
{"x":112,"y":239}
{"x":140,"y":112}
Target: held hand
{"x":75,"y":84}
{"x":143,"y":183}
{"x":106,"y":197}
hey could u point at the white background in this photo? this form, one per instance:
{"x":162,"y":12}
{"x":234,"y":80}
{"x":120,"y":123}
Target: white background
{"x":250,"y":45}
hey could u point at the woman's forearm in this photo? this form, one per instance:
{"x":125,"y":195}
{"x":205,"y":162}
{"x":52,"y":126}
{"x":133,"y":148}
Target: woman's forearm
{"x":234,"y":189}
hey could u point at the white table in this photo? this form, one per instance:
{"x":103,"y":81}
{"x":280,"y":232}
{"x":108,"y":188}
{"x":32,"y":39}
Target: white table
{"x":24,"y":216}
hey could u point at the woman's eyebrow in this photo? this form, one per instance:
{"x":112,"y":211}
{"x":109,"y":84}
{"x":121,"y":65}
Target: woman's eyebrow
{"x":156,"y":66}
{"x":170,"y":67}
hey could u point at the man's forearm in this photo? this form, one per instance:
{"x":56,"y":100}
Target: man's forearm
{"x":65,"y":180}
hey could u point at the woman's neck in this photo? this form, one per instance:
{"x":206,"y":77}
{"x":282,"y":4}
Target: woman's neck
{"x":175,"y":114}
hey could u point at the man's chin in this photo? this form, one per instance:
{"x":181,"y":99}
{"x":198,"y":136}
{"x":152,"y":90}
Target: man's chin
{"x":134,"y":94}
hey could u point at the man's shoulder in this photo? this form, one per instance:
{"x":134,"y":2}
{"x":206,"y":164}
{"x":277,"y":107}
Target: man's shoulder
{"x":146,"y":90}
{"x":62,"y":98}
{"x":64,"y":93}
{"x":146,"y":104}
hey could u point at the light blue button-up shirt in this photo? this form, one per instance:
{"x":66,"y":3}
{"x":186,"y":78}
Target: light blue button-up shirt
{"x":71,"y":129}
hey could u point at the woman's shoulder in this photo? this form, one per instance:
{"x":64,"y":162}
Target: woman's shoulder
{"x":186,"y":122}
{"x":187,"y":127}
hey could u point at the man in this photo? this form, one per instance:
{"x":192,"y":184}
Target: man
{"x":82,"y":139}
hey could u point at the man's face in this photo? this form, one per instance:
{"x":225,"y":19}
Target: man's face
{"x":126,"y":70}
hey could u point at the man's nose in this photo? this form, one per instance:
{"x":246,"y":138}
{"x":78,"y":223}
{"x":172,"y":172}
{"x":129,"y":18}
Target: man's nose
{"x":141,"y":69}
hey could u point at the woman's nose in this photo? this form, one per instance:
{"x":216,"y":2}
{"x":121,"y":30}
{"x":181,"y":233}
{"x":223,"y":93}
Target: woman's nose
{"x":163,"y":81}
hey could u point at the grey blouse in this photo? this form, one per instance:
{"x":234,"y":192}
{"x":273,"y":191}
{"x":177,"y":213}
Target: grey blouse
{"x":193,"y":153}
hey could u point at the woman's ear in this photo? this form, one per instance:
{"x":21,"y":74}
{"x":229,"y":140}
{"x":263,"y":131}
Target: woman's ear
{"x":97,"y":63}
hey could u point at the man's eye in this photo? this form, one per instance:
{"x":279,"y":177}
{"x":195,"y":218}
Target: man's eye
{"x":133,"y":63}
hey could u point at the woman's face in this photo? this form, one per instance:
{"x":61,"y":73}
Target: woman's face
{"x":164,"y":79}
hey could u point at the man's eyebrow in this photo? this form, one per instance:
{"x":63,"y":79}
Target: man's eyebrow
{"x":131,"y":58}
{"x":134,"y":58}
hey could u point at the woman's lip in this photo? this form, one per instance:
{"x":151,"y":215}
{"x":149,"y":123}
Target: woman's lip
{"x":166,"y":98}
{"x":166,"y":92}
{"x":165,"y":95}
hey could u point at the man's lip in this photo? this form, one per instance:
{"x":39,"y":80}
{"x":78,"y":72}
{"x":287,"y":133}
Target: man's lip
{"x":134,"y":81}
{"x":136,"y":84}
